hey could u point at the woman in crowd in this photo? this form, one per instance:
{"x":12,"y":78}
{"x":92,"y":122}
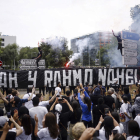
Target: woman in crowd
{"x":117,"y":118}
{"x":62,"y":118}
{"x":127,"y":94}
{"x":75,"y":117}
{"x":26,"y":126}
{"x":133,"y":129}
{"x":86,"y":108}
{"x":109,"y":124}
{"x":125,"y":111}
{"x":22,"y":111}
{"x":50,"y":129}
{"x":135,"y":107}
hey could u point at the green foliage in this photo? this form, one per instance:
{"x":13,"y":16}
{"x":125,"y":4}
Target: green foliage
{"x":57,"y":57}
{"x":10,"y":52}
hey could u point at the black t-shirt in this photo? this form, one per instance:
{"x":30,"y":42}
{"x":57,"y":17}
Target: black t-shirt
{"x":138,"y":95}
{"x":40,"y":53}
{"x":109,"y":100}
{"x":76,"y":119}
{"x":94,"y":99}
{"x":11,"y":135}
{"x":64,"y":118}
{"x":65,"y":107}
{"x":119,"y":42}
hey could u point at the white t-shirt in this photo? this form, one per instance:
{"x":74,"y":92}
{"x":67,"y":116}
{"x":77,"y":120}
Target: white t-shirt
{"x":123,"y":109}
{"x":29,"y":104}
{"x":137,"y":119}
{"x":44,"y":103}
{"x":44,"y":134}
{"x":23,"y":136}
{"x":121,"y":128}
{"x":114,"y":96}
{"x":40,"y":111}
{"x":132,"y":138}
{"x":58,"y":90}
{"x":102,"y":132}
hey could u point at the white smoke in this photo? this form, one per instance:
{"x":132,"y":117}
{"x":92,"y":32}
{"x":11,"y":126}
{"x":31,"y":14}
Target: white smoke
{"x":81,"y":45}
{"x":55,"y":42}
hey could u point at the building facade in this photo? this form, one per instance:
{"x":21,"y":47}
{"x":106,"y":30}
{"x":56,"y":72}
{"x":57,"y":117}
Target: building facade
{"x":6,"y":39}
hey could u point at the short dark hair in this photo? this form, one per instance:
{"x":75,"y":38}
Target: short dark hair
{"x":38,"y":95}
{"x":126,"y":90}
{"x":14,"y":92}
{"x":133,"y":128}
{"x":68,"y":92}
{"x":58,"y":83}
{"x":125,"y":99}
{"x":100,"y":101}
{"x":23,"y":110}
{"x":87,"y":83}
{"x":35,"y":101}
{"x":30,"y":90}
{"x":75,"y":91}
{"x":100,"y":82}
{"x":9,"y":91}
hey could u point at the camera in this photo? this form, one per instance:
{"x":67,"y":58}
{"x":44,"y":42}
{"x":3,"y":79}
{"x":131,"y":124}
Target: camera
{"x":115,"y":132}
{"x":106,"y":111}
{"x":9,"y":114}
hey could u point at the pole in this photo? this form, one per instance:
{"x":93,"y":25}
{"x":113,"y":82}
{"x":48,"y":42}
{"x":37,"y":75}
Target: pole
{"x":14,"y":63}
{"x":100,"y":57}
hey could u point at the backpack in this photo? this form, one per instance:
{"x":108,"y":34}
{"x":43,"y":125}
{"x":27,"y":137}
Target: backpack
{"x":7,"y":106}
{"x":122,"y":117}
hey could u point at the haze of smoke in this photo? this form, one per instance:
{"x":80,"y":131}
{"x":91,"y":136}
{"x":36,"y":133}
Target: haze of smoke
{"x":55,"y":42}
{"x":81,"y":44}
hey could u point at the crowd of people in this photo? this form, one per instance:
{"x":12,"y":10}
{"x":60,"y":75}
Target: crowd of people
{"x":86,"y":113}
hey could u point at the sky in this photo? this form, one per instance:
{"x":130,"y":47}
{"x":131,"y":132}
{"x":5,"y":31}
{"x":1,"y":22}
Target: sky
{"x":32,"y":20}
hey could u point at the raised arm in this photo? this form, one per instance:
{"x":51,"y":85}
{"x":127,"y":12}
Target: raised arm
{"x":113,"y":33}
{"x":80,"y":101}
{"x":36,"y":125}
{"x":5,"y":131}
{"x":65,"y":101}
{"x":3,"y":98}
{"x":18,"y":128}
{"x":33,"y":91}
{"x":56,"y":101}
{"x":51,"y":100}
{"x":86,"y":94}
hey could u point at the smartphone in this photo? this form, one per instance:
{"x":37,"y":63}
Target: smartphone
{"x":60,"y":99}
{"x":81,"y":89}
{"x":115,"y":132}
{"x":9,"y":114}
{"x":106,"y":110}
{"x":75,"y":95}
{"x":96,"y":134}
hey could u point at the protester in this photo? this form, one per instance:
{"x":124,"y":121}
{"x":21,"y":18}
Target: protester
{"x":115,"y":85}
{"x":5,"y":131}
{"x":50,"y":129}
{"x":26,"y":127}
{"x":103,"y":88}
{"x":109,"y":100}
{"x":39,"y":110}
{"x":86,"y":87}
{"x":45,"y":103}
{"x":115,"y":115}
{"x":99,"y":110}
{"x":58,"y":89}
{"x":62,"y":118}
{"x":133,"y":129}
{"x":75,"y":117}
{"x":109,"y":124}
{"x":86,"y":108}
{"x":95,"y":96}
{"x":90,"y":90}
{"x":77,"y":130}
{"x":12,"y":134}
{"x":43,"y":90}
{"x":125,"y":111}
{"x":29,"y":104}
{"x":127,"y":94}
{"x":24,"y":111}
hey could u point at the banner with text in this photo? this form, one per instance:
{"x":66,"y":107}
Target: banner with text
{"x":68,"y":77}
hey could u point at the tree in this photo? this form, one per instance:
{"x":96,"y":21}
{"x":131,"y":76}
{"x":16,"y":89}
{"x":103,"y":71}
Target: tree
{"x":27,"y":53}
{"x":10,"y":54}
{"x":57,"y":57}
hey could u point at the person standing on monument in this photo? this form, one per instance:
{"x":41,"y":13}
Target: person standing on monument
{"x":39,"y":56}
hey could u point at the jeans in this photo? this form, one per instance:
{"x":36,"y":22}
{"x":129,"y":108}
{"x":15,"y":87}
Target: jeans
{"x":37,"y":60}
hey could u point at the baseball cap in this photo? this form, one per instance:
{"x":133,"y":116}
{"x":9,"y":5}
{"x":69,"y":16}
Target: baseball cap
{"x":97,"y":90}
{"x":3,"y":120}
